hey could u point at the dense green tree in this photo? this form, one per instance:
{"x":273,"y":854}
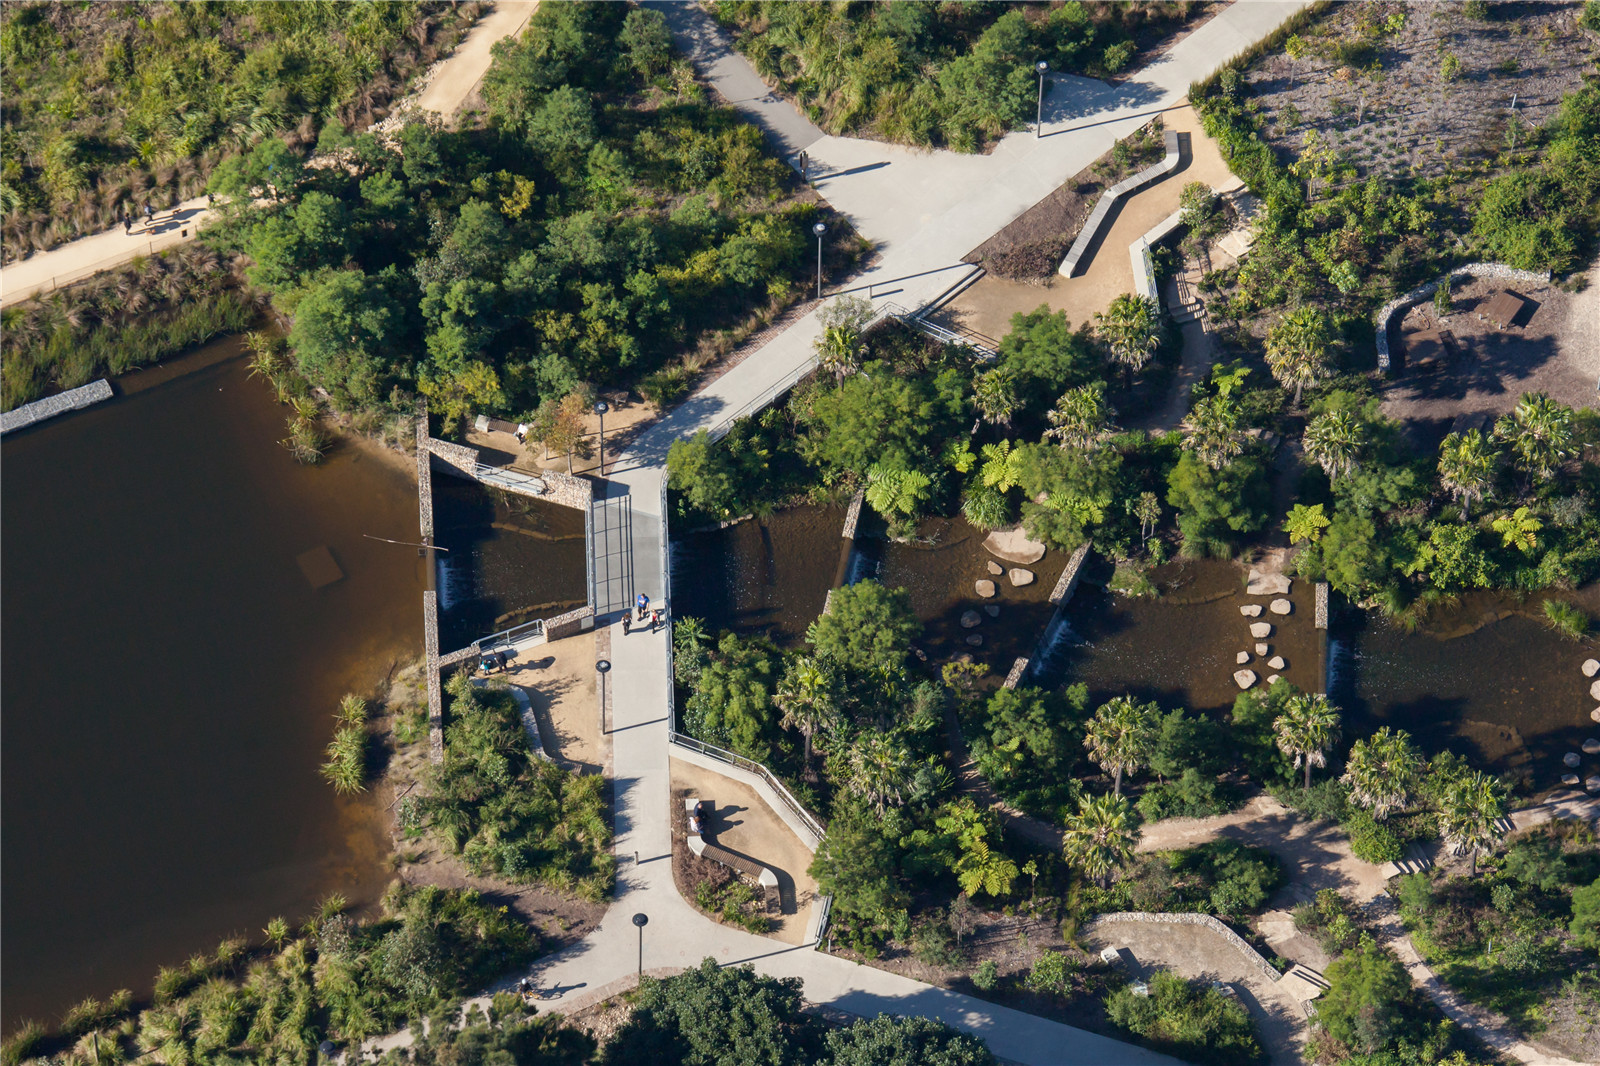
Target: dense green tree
{"x":1216,"y":506}
{"x":808,"y":699}
{"x":890,"y":1040}
{"x":732,"y":702}
{"x":647,"y":40}
{"x":994,"y":394}
{"x":712,"y":1015}
{"x":1121,"y":736}
{"x":1070,"y":492}
{"x":1452,"y":560}
{"x":1585,"y":924}
{"x":879,"y":417}
{"x":1190,"y":1019}
{"x":879,"y":768}
{"x":346,"y":330}
{"x":1212,"y":432}
{"x":868,"y":627}
{"x":1046,"y":355}
{"x":1368,"y":997}
{"x":1131,"y":331}
{"x":1029,"y":744}
{"x":1383,"y":771}
{"x":1297,"y":349}
{"x":858,"y":864}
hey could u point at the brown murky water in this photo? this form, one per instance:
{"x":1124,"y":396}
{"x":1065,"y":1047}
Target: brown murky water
{"x":169,"y":676}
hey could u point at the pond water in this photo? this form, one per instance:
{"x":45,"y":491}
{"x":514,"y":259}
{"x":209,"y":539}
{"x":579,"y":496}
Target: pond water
{"x":170,"y":675}
{"x":511,"y":559}
{"x":1486,"y":680}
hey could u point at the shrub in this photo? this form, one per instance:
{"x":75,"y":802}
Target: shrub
{"x":1368,"y":995}
{"x":1373,"y":841}
{"x":1585,"y":925}
{"x":1052,"y":973}
{"x":1568,"y":619}
{"x":986,"y":976}
{"x":1193,"y":795}
{"x":1188,"y":1019}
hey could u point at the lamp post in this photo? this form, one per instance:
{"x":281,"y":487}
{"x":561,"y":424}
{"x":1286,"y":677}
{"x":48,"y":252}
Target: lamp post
{"x":819,"y":229}
{"x":640,"y":920}
{"x":600,"y":408}
{"x":603,"y":667}
{"x":1038,"y":123}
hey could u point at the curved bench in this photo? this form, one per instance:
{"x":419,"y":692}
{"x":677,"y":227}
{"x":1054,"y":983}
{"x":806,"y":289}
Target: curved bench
{"x":1109,"y":198}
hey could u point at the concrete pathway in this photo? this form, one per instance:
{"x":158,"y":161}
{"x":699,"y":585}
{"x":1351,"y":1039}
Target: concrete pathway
{"x":447,"y":86}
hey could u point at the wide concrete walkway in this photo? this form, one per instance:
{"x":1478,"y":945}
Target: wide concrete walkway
{"x":448,"y":84}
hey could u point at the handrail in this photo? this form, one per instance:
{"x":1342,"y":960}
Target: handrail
{"x":666,"y":598}
{"x":485,"y":643}
{"x":514,"y":480}
{"x":723,"y":755}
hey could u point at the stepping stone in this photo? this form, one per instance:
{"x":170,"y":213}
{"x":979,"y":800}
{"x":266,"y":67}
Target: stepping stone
{"x":1019,"y":577}
{"x":1242,"y":658}
{"x":1280,"y":607}
{"x":1266,"y":584}
{"x":970,"y":619}
{"x":1277,"y":663}
{"x":1263,"y":630}
{"x":992,"y":610}
{"x":995,"y":568}
{"x":1591,"y":746}
{"x":1272,"y":679}
{"x":1244,"y":678}
{"x":1569,"y":779}
{"x":1591,"y":667}
{"x":985,"y":589}
{"x":1592,"y":784}
{"x":1263,"y":650}
{"x":1594,"y":690}
{"x":1013,"y":546}
{"x":1572,"y":759}
{"x":1594,"y":715}
{"x":1251,"y":610}
{"x":975,"y":639}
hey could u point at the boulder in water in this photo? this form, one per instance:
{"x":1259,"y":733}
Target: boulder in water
{"x":1594,"y":690}
{"x":992,"y":610}
{"x":1244,"y":678}
{"x":1019,"y":577}
{"x":1594,"y":715}
{"x":1572,"y":758}
{"x":985,"y":588}
{"x":1277,"y":663}
{"x":1261,"y":630}
{"x":1591,"y":746}
{"x":970,"y":619}
{"x":1592,"y":784}
{"x":1263,"y":650}
{"x":1569,"y":779}
{"x":975,"y":639}
{"x":1242,"y":658}
{"x":1266,"y":584}
{"x":1272,"y":679}
{"x":1591,"y":667}
{"x":1251,"y":610}
{"x":995,"y":568}
{"x":1280,"y":606}
{"x":1014,"y":546}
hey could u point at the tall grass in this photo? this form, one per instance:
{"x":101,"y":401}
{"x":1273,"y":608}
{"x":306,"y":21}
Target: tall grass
{"x":1273,"y":41}
{"x":1567,"y":619}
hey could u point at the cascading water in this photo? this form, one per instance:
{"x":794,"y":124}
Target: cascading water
{"x":1049,"y":661}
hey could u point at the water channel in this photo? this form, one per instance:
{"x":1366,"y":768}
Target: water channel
{"x":170,"y":672}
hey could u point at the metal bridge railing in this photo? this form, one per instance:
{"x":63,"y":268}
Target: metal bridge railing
{"x":723,"y":755}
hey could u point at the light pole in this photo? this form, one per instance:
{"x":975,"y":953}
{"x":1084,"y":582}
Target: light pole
{"x":603,"y":667}
{"x":819,"y":229}
{"x":1038,"y":123}
{"x":600,"y":408}
{"x":640,"y":920}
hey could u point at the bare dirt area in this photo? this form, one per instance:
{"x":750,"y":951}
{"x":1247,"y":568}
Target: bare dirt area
{"x":1040,"y":238}
{"x":1480,"y":370}
{"x":1386,"y":102}
{"x":559,"y":679}
{"x":746,"y":826}
{"x":1197,"y":951}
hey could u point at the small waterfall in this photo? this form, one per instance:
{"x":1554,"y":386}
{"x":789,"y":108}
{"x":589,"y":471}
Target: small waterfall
{"x":860,"y":567}
{"x":1341,"y":667}
{"x":453,"y":586}
{"x":1049,"y":659}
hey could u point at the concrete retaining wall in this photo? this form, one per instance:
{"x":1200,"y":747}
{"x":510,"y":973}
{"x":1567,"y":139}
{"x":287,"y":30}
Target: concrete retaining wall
{"x":1423,"y":292}
{"x":803,"y":832}
{"x":1109,"y":198}
{"x":39,"y":410}
{"x":1252,"y":956}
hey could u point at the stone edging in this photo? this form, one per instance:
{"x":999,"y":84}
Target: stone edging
{"x":852,"y":517}
{"x":1069,"y":577}
{"x":1109,"y":198}
{"x":1019,"y":669}
{"x":1422,"y":292}
{"x":1251,"y":954}
{"x":59,"y":404}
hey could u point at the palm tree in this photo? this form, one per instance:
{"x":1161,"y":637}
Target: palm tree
{"x":1147,"y":509}
{"x":1470,"y":805}
{"x":1540,"y":433}
{"x":1466,"y":467}
{"x":1334,"y":440}
{"x":839,"y":351}
{"x":1002,"y":466}
{"x":1307,"y":728}
{"x":1519,"y":529}
{"x":1080,"y":417}
{"x":1120,"y":737}
{"x":1297,"y":349}
{"x":1130,"y":328}
{"x":805,"y":696}
{"x":1100,"y":836}
{"x":994,"y":393}
{"x":1382,"y":771}
{"x":1213,"y":432}
{"x":879,"y":768}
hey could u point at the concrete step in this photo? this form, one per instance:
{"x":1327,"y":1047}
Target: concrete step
{"x":1303,"y":983}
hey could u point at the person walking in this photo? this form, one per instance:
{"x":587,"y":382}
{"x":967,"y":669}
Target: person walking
{"x":641,"y":604}
{"x":655,"y":620}
{"x":627,"y":624}
{"x":127,"y":224}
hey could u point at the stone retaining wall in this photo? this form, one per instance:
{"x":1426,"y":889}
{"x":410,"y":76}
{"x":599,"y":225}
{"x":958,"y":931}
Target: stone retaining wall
{"x":1069,"y":577}
{"x":59,"y":404}
{"x":1109,"y":198}
{"x":1252,"y":956}
{"x":566,"y":625}
{"x":430,"y":644}
{"x":1322,"y":605}
{"x":567,"y":490}
{"x":852,"y":517}
{"x":1019,"y":669}
{"x":1423,"y":292}
{"x":455,"y":459}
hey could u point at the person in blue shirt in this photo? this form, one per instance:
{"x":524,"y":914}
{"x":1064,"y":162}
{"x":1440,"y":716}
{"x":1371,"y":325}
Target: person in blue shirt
{"x":640,"y":605}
